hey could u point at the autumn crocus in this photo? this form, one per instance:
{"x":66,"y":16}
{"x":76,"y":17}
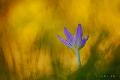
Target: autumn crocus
{"x":75,"y":42}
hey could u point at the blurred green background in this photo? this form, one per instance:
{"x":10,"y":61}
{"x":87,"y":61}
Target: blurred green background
{"x":30,"y":50}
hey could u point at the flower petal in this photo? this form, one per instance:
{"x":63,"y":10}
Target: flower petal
{"x":74,"y":40}
{"x":84,"y":41}
{"x":68,"y":35}
{"x":78,"y":35}
{"x":79,"y":32}
{"x":64,"y":41}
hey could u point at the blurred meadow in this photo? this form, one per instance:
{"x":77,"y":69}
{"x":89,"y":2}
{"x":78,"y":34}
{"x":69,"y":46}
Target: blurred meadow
{"x":30,"y":50}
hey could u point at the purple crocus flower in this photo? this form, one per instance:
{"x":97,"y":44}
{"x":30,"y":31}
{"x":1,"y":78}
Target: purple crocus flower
{"x":75,"y":42}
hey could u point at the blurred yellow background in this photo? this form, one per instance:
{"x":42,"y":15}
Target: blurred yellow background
{"x":28,"y":42}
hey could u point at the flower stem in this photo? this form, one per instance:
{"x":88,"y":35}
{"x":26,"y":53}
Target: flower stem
{"x":78,"y":56}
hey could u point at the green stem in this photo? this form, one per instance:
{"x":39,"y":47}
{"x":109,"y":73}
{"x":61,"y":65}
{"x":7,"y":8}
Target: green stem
{"x":78,"y":56}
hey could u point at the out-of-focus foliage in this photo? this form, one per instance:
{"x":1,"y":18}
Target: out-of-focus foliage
{"x":30,"y":50}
